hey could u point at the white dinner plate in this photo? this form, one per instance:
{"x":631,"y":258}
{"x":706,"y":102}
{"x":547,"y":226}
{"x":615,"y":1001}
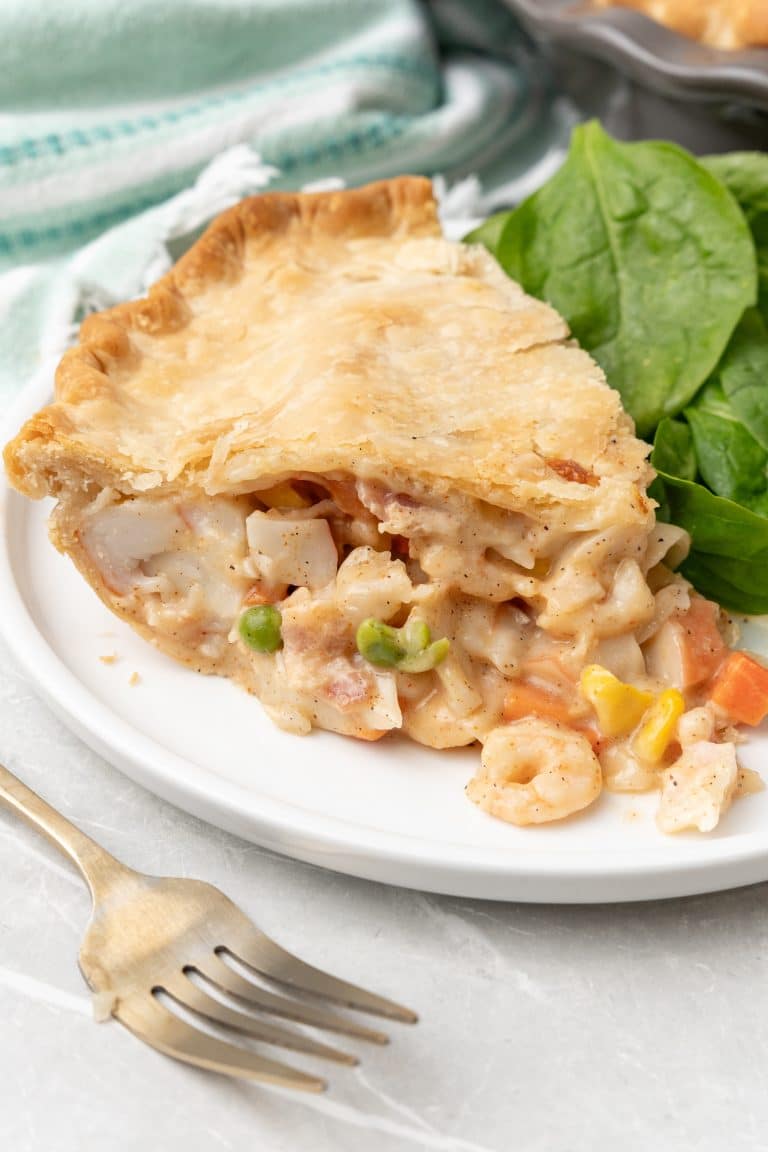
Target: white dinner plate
{"x":391,"y":811}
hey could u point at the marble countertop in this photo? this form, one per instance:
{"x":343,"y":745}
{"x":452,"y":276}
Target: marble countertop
{"x":543,"y":1029}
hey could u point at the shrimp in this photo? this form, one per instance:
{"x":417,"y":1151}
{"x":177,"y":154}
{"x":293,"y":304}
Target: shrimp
{"x":697,"y":724}
{"x":534,"y":771}
{"x":698,"y":787}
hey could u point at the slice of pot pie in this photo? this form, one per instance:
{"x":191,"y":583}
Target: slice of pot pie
{"x":352,"y":466}
{"x":727,"y":24}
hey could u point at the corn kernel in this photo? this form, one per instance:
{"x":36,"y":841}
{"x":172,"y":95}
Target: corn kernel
{"x":619,"y":706}
{"x":652,"y":738}
{"x":282,"y":496}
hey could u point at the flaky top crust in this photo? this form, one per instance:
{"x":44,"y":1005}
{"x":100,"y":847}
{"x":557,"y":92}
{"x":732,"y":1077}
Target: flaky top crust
{"x":334,"y":331}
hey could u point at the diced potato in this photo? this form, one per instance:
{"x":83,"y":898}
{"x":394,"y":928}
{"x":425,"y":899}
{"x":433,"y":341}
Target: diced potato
{"x":300,"y":552}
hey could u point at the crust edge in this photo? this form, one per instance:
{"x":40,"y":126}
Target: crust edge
{"x":405,"y":204}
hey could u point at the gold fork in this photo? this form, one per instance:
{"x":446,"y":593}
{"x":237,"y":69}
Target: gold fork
{"x":158,"y":952}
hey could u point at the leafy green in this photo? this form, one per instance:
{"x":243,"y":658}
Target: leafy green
{"x":646,"y":255}
{"x":489,"y":232}
{"x":729,"y":581}
{"x":729,"y":560}
{"x":743,"y":374}
{"x":745,"y":174}
{"x":731,"y":461}
{"x":731,"y":437}
{"x":659,"y":263}
{"x":673,"y":450}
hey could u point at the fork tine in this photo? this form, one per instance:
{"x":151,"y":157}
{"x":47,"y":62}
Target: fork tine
{"x":189,"y":995}
{"x":261,"y":953}
{"x":154,"y":1024}
{"x":220,"y":974}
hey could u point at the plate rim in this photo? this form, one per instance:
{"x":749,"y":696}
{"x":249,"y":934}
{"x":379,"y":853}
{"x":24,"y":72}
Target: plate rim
{"x":326,"y":840}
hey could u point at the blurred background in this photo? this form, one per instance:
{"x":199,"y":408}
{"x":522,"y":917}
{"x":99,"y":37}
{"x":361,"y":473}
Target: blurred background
{"x":109,"y":107}
{"x":126,"y":124}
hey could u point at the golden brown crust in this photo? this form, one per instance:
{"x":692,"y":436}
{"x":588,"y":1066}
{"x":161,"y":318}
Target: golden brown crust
{"x":404,"y":204}
{"x":727,"y":24}
{"x":330,"y":332}
{"x":375,"y":210}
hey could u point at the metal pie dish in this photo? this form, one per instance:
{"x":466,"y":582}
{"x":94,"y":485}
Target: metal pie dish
{"x":644,"y":80}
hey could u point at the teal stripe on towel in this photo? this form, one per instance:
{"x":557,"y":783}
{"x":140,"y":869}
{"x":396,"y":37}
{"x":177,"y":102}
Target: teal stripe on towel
{"x":59,"y":144}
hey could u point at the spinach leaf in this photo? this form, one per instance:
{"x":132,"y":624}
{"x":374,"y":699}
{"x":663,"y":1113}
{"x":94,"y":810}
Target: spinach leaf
{"x":673,"y":450}
{"x":728,"y":581}
{"x":731,"y":462}
{"x":743,"y":374}
{"x":729,"y":559}
{"x":646,"y":255}
{"x":489,"y":232}
{"x":743,"y":370}
{"x":745,"y":174}
{"x":655,"y":260}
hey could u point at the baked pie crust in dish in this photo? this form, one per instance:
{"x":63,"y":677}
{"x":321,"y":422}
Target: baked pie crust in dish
{"x":352,"y":466}
{"x":729,"y":24}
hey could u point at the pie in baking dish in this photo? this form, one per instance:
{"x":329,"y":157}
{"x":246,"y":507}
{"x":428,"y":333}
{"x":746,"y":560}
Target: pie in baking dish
{"x":726,"y":24}
{"x":352,"y":466}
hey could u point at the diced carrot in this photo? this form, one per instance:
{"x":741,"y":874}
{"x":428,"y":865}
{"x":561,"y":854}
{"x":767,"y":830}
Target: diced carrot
{"x":369,"y":733}
{"x":741,"y":689}
{"x":702,"y":645}
{"x":526,"y":699}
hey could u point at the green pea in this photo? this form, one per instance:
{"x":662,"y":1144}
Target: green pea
{"x":425,"y":661}
{"x":379,"y":644}
{"x":415,"y":635}
{"x":409,"y":648}
{"x":259,"y":627}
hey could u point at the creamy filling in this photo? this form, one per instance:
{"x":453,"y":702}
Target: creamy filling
{"x":524,"y":602}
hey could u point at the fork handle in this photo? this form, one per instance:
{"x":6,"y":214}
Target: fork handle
{"x":99,"y":868}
